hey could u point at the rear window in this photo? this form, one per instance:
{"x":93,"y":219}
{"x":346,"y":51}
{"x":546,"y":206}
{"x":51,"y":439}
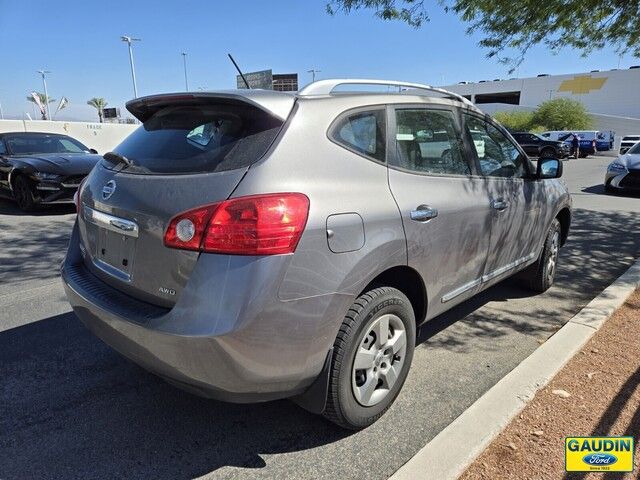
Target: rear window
{"x":199,"y":139}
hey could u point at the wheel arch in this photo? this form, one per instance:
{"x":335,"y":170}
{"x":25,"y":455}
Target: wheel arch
{"x":564,"y":217}
{"x":16,"y":172}
{"x":548,"y":148}
{"x":409,"y":282}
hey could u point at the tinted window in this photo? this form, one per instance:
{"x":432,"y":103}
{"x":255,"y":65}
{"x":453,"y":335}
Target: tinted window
{"x":196,"y":139}
{"x":3,"y":149}
{"x":498,"y":156}
{"x":363,"y":132}
{"x":30,"y":143}
{"x":427,"y":141}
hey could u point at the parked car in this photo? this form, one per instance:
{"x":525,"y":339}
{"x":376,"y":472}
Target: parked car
{"x":42,"y":168}
{"x":627,"y":142}
{"x":623,"y":174}
{"x":537,"y":146}
{"x":293,"y":248}
{"x":587,"y":140}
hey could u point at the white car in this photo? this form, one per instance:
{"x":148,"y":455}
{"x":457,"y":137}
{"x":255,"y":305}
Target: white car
{"x":624,"y":172}
{"x":627,"y":142}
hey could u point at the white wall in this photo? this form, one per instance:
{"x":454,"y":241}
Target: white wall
{"x":101,"y":136}
{"x":614,"y":92}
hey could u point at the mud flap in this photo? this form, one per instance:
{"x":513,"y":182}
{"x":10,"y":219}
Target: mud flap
{"x":314,"y":398}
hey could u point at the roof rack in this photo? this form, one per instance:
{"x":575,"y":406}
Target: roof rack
{"x":326,"y":87}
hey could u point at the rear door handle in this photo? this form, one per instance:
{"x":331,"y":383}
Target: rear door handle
{"x":423,"y":213}
{"x":499,"y":204}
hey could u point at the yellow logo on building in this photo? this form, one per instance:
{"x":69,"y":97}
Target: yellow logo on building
{"x":582,"y":84}
{"x":598,"y":454}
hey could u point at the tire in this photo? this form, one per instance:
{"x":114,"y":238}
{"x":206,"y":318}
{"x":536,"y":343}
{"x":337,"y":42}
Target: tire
{"x":23,"y":194}
{"x":540,"y":275}
{"x":358,"y":397}
{"x":548,"y":153}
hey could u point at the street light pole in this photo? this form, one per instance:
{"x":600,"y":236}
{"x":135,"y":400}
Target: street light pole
{"x":313,"y":72}
{"x":46,"y":94}
{"x":129,"y":39}
{"x":184,"y":61}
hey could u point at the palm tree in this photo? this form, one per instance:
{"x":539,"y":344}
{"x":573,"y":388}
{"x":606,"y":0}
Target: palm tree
{"x":43,"y":101}
{"x":98,"y":104}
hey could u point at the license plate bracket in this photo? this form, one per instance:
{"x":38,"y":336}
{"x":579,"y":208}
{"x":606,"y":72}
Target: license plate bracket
{"x":115,"y":253}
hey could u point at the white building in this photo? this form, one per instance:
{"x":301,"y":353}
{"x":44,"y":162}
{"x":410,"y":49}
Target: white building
{"x":612,"y":97}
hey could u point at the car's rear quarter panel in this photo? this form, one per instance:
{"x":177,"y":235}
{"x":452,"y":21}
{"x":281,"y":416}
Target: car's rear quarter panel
{"x":336,"y":181}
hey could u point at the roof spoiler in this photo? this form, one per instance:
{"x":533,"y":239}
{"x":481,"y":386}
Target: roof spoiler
{"x":144,"y":108}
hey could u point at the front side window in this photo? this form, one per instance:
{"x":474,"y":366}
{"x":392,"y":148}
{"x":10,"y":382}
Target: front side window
{"x":3,"y":149}
{"x":363,"y":132}
{"x":498,"y":156}
{"x":427,"y":141}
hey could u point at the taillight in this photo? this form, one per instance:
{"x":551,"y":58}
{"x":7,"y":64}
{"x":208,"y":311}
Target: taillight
{"x":254,"y":225}
{"x":78,"y":194}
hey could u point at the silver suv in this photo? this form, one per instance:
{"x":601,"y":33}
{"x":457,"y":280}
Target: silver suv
{"x":253,"y":245}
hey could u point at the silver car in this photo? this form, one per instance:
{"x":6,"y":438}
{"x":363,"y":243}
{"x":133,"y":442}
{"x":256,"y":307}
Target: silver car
{"x":623,"y":174}
{"x":253,"y":245}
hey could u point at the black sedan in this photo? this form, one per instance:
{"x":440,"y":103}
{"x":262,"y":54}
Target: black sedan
{"x":42,"y":168}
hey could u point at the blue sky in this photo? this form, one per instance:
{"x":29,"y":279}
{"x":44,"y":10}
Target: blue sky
{"x":79,"y":41}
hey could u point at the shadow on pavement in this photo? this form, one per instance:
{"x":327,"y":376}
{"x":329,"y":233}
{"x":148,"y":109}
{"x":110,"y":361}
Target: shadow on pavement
{"x":32,"y":249}
{"x":74,"y":408}
{"x":599,"y":190}
{"x":8,"y":207}
{"x":601,"y":246}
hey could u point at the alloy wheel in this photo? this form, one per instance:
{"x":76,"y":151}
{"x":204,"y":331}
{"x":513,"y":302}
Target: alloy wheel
{"x":552,"y":261}
{"x":379,"y":359}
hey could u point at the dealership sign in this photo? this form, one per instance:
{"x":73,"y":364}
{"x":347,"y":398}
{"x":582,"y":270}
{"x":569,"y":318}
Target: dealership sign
{"x":262,"y":79}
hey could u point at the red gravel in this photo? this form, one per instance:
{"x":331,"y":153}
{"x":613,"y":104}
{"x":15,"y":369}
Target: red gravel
{"x":603,"y":381}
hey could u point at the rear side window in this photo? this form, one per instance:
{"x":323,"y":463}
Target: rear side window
{"x":363,"y":133}
{"x":427,"y":141}
{"x":199,"y":139}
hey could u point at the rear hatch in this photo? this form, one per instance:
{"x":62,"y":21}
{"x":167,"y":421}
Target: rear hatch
{"x":190,"y":151}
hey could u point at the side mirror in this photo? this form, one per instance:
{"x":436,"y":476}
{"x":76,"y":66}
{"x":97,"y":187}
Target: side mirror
{"x":549,"y":168}
{"x":93,"y":150}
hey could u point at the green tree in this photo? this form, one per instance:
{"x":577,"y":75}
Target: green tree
{"x":43,"y":101}
{"x":562,"y":114}
{"x":99,"y":104}
{"x":515,"y":120}
{"x":509,"y":26}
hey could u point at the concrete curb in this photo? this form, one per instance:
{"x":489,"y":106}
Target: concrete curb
{"x":450,"y":452}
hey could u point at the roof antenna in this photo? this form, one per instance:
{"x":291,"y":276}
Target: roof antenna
{"x":239,"y":71}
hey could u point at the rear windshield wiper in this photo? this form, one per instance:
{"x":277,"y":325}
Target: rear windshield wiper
{"x":117,"y":159}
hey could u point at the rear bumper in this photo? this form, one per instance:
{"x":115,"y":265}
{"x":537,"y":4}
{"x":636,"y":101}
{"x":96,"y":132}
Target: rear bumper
{"x":234,"y":352}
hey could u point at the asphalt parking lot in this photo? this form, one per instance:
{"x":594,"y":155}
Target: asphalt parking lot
{"x":73,"y":408}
